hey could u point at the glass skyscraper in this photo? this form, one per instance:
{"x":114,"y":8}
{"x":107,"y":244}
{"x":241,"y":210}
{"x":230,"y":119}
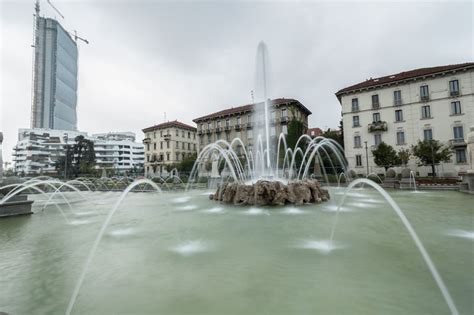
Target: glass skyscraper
{"x":54,"y":77}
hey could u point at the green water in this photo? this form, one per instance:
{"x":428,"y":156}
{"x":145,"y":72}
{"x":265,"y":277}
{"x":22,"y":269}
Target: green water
{"x":180,"y":253}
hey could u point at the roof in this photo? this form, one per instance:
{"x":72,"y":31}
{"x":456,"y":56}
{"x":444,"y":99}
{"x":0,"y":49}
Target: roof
{"x":402,"y":76}
{"x":170,"y":124}
{"x":249,"y":107}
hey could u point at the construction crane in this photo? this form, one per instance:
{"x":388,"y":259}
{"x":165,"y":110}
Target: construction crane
{"x":77,"y":37}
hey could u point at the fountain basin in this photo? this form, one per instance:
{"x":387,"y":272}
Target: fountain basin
{"x":18,"y":205}
{"x":271,"y":193}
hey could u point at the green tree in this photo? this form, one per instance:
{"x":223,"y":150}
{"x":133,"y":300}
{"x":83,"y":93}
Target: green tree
{"x":385,"y":156}
{"x":431,"y":152}
{"x":404,"y":156}
{"x":187,"y":164}
{"x":80,"y":158}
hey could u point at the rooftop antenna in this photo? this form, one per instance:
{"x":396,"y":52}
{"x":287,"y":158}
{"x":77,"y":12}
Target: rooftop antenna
{"x":55,"y":9}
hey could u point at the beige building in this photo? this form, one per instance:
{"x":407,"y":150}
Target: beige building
{"x":400,"y":109}
{"x":241,"y":122}
{"x":167,"y":143}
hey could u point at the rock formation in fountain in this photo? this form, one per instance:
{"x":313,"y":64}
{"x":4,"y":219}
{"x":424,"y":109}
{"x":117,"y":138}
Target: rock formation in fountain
{"x":391,"y":180}
{"x":273,"y":193}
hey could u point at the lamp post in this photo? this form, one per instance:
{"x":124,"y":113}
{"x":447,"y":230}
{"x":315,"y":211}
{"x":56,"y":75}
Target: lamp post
{"x":367,"y":156}
{"x":66,"y":138}
{"x":432,"y":159}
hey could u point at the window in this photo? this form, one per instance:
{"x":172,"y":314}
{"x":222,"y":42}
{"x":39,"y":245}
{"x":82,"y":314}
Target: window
{"x":461,"y":156}
{"x":358,"y":160}
{"x":284,"y":129}
{"x":177,"y":133}
{"x":161,"y":133}
{"x":427,"y":134}
{"x":454,"y":87}
{"x":177,"y":156}
{"x":424,"y":93}
{"x":182,"y":133}
{"x":283,"y":112}
{"x":458,"y":132}
{"x":182,"y":145}
{"x":167,"y":144}
{"x":456,"y":108}
{"x":400,"y":137}
{"x":161,"y":145}
{"x":227,"y":122}
{"x":148,"y":147}
{"x":209,"y":139}
{"x":238,"y":120}
{"x":218,"y":124}
{"x":375,"y":101}
{"x":355,"y":104}
{"x":189,"y":146}
{"x":194,"y":146}
{"x":167,"y":156}
{"x":355,"y":121}
{"x":148,"y":158}
{"x":154,"y":146}
{"x":154,"y":134}
{"x":376,"y":117}
{"x":397,"y":98}
{"x":399,"y":115}
{"x":357,"y":143}
{"x":249,"y":134}
{"x":201,"y":127}
{"x":425,"y":112}
{"x":209,"y":125}
{"x":377,"y":139}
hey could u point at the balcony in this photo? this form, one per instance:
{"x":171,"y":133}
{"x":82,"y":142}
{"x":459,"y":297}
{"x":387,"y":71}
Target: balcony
{"x":228,"y":128}
{"x":284,"y":119}
{"x":167,"y":137}
{"x":249,"y":125}
{"x":397,"y":102}
{"x":237,"y":127}
{"x":459,"y":142}
{"x":376,"y":105}
{"x":201,"y":132}
{"x":147,"y":140}
{"x":378,"y":126}
{"x":218,"y":129}
{"x":424,"y":98}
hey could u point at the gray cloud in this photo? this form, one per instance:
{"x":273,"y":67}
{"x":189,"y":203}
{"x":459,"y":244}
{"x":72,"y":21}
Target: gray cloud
{"x":191,"y":58}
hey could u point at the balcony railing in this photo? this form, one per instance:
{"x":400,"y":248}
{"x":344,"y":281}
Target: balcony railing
{"x":424,"y":98}
{"x":147,"y":140}
{"x":167,"y":137}
{"x":218,"y":129}
{"x":378,"y":126}
{"x":284,"y":119}
{"x":200,"y":132}
{"x":376,"y":105}
{"x":454,"y":93}
{"x":237,"y":127}
{"x":459,"y":142}
{"x":227,"y":128}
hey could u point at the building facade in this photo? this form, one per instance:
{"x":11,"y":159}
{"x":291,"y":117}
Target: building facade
{"x":38,"y":150}
{"x":242,"y":122}
{"x":422,"y":104}
{"x":54,"y":77}
{"x":167,"y":144}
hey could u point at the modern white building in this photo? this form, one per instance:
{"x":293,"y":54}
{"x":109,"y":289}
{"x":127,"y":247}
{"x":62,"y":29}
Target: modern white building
{"x":400,"y":109}
{"x":38,"y":150}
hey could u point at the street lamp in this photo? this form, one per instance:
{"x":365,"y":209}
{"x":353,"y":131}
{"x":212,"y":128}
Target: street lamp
{"x":367,"y":157}
{"x":66,"y":138}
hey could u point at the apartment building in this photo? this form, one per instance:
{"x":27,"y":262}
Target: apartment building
{"x":400,"y":109}
{"x":38,"y":150}
{"x":168,"y":143}
{"x":242,"y":122}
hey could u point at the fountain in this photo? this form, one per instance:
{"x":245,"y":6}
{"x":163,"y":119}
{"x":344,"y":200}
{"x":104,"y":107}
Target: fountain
{"x":134,"y":251}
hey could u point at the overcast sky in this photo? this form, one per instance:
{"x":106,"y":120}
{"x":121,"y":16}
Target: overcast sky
{"x":189,"y":59}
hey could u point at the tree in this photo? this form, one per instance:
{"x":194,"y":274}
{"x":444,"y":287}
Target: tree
{"x":335,"y":135}
{"x":296,"y":129}
{"x":432,"y":152}
{"x":385,"y":156}
{"x":80,"y":158}
{"x":404,"y":156}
